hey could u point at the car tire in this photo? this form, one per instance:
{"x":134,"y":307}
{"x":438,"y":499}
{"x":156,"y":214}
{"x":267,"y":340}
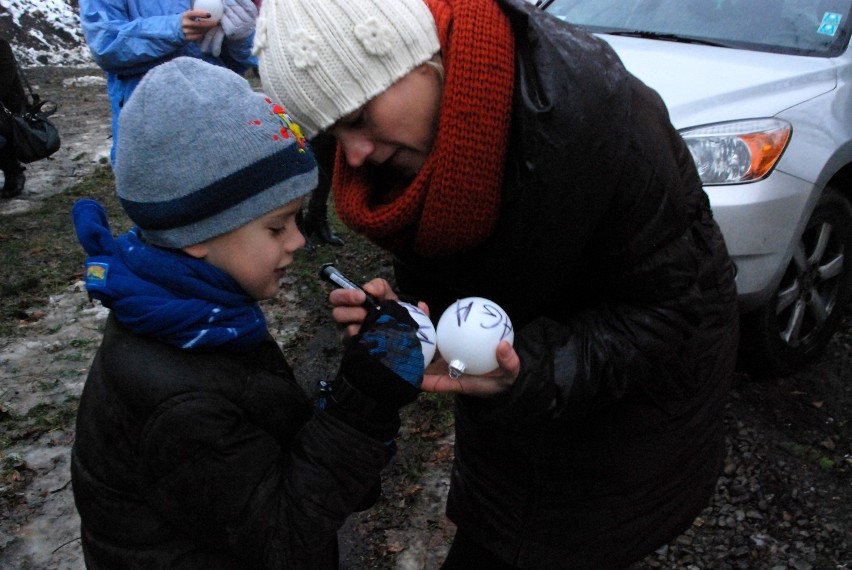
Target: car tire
{"x":794,"y":327}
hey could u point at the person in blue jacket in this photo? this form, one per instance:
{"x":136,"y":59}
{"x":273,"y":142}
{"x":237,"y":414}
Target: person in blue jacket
{"x":127,"y":38}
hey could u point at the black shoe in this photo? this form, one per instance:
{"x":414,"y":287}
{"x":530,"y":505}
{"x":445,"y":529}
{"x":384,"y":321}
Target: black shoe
{"x":321,"y":229}
{"x":326,"y":234}
{"x":300,"y":223}
{"x":14,"y":185}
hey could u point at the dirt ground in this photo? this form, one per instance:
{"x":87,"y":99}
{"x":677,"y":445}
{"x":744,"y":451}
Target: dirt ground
{"x":783,"y":501}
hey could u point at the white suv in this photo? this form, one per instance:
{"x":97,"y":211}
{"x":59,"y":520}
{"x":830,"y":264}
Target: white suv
{"x":761,"y":90}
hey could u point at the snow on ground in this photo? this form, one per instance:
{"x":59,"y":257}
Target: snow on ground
{"x":44,"y":32}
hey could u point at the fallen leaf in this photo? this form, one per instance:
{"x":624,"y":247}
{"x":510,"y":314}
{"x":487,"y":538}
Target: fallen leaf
{"x":14,"y":476}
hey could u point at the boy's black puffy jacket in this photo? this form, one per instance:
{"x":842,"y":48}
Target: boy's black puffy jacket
{"x":211,"y":459}
{"x":617,"y":279}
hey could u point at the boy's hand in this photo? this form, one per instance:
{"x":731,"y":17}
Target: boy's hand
{"x":381,"y":371}
{"x":385,"y":360}
{"x":349,"y":311}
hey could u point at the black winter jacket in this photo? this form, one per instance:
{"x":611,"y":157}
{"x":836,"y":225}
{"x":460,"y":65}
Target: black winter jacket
{"x":211,"y":460}
{"x":608,"y":260}
{"x":11,"y":89}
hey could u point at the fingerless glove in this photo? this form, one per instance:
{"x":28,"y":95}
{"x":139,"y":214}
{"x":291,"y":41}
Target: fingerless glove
{"x":381,"y":371}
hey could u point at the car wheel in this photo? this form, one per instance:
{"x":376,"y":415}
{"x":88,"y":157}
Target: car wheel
{"x":806,"y":309}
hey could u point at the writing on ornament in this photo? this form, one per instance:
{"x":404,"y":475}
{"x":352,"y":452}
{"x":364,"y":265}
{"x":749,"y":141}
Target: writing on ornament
{"x":490,"y":317}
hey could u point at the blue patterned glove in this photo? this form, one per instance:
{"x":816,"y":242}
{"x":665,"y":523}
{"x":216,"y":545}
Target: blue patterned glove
{"x":395,"y":344}
{"x":381,"y":371}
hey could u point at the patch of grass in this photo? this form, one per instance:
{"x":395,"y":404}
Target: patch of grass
{"x":808,"y":453}
{"x":50,"y":416}
{"x":39,"y":251}
{"x":435,"y":415}
{"x":41,"y":418}
{"x":428,"y":420}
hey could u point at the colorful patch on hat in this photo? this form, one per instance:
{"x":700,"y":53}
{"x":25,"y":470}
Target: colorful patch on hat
{"x":96,"y":274}
{"x":287,"y":125}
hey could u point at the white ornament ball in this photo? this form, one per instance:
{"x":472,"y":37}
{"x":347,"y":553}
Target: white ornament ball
{"x":426,"y":332}
{"x":215,"y":7}
{"x":468,"y":334}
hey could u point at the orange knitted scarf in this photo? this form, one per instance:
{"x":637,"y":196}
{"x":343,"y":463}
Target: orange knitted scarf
{"x":453,"y":202}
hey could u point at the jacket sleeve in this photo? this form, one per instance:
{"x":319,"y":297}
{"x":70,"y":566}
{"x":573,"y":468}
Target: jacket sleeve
{"x":654,"y":275}
{"x":122,"y":44}
{"x":661,"y":300}
{"x":11,"y":91}
{"x":237,"y":56}
{"x":619,"y":348}
{"x":227,"y":482}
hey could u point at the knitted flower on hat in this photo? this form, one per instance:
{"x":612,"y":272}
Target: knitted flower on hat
{"x":325,"y":59}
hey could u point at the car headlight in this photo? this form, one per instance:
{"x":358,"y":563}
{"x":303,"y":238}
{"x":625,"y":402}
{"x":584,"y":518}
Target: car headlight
{"x":737,"y":152}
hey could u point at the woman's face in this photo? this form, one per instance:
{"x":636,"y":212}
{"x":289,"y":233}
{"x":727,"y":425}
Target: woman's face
{"x":396,"y":129}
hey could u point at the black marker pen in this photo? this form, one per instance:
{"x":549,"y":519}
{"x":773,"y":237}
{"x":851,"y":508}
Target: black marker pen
{"x":333,"y":275}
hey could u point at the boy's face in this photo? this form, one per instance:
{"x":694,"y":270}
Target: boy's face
{"x":256,"y":254}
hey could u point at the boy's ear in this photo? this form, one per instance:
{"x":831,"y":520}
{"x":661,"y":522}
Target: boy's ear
{"x":198,"y":250}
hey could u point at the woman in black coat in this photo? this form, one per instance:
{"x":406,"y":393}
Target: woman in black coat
{"x":505,"y":154}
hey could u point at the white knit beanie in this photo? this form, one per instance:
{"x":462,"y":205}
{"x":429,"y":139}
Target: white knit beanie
{"x":323,"y":59}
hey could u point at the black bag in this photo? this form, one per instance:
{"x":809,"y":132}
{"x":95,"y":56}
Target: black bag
{"x":34,"y":137}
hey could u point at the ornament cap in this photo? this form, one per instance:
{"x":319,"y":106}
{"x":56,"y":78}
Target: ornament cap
{"x":456,"y":369}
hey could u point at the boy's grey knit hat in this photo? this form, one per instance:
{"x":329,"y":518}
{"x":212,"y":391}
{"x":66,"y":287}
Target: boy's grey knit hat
{"x":200,"y":154}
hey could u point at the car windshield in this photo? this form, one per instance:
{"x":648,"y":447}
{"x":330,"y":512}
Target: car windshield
{"x":802,"y":27}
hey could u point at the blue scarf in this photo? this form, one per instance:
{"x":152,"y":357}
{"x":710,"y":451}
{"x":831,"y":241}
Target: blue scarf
{"x":180,"y":300}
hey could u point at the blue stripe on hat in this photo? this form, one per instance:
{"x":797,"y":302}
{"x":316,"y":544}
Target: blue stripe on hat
{"x":223,"y":194}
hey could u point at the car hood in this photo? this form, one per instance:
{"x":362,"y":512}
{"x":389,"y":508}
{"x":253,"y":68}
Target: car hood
{"x":705,"y":84}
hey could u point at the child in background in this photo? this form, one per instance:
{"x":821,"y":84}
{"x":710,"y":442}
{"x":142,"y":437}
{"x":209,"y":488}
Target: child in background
{"x":128,"y":38}
{"x":195,"y":446}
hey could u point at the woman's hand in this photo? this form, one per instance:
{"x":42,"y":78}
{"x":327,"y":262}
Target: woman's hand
{"x":437,"y":377}
{"x":196,"y":23}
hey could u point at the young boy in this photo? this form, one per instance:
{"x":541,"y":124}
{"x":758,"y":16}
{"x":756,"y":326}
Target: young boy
{"x":195,"y":446}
